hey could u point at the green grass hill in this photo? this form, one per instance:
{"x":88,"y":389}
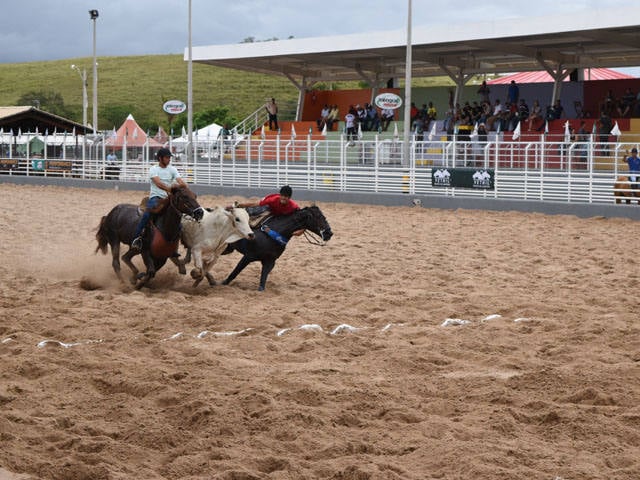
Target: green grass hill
{"x":140,"y":85}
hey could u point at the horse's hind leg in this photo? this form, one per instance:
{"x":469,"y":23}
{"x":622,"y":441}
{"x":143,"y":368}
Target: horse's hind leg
{"x":126,"y":258}
{"x":267,"y":266}
{"x":244,"y":261}
{"x":115,"y":262}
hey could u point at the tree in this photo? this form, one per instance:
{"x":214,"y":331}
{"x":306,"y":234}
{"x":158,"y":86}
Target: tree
{"x":219,"y":115}
{"x":49,"y":101}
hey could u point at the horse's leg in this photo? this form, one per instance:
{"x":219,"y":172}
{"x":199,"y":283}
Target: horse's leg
{"x":182,"y":270}
{"x":144,"y":277}
{"x":126,"y":258}
{"x":267,"y":266}
{"x":115,"y":253}
{"x":244,"y":261}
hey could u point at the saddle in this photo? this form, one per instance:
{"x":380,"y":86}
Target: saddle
{"x":258,"y":220}
{"x":159,"y":208}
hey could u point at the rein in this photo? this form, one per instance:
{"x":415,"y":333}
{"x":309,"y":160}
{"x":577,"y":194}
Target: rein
{"x":314,"y":239}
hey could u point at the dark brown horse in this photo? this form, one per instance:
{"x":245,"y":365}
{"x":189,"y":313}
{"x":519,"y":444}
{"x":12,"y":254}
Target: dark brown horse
{"x":161,"y":237}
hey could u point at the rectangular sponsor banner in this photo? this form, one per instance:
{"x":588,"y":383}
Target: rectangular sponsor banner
{"x":463,"y":177}
{"x":8,"y":163}
{"x":59,"y":165}
{"x":37,"y":165}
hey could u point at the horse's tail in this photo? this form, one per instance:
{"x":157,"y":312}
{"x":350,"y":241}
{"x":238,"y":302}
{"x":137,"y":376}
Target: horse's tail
{"x":102,"y":237}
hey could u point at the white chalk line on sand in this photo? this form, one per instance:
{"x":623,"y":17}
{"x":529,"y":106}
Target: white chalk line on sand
{"x":343,"y":328}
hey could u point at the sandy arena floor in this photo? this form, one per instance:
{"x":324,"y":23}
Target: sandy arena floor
{"x":542,"y":383}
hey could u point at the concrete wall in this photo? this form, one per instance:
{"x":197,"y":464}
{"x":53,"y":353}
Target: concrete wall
{"x":423,"y":201}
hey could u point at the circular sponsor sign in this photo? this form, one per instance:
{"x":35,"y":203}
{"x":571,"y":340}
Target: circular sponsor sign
{"x":174,"y":107}
{"x":388,"y":100}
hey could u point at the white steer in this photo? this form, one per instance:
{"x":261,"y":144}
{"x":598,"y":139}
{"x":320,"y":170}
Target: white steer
{"x":207,"y":239}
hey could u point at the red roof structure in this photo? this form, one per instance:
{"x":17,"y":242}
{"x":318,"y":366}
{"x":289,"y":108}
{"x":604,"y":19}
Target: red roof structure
{"x":134,"y":136}
{"x":544,"y":77}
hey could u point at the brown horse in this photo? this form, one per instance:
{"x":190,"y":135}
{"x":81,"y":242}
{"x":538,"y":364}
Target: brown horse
{"x":622,"y":187}
{"x":160,"y":241}
{"x":622,"y":190}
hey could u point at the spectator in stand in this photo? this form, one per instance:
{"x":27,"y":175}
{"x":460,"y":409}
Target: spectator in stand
{"x":334,"y":115}
{"x":497,"y":113}
{"x":478,"y":148}
{"x":609,"y":104}
{"x":583,"y":139}
{"x":513,"y":93}
{"x":509,"y":117}
{"x":523,"y":111}
{"x":476,"y":112}
{"x":604,"y":128}
{"x":423,"y":111}
{"x":484,"y":91}
{"x":373,"y":119}
{"x":361,"y":116}
{"x":555,"y":112}
{"x":350,"y":122}
{"x":535,"y":114}
{"x":485,"y":112}
{"x":627,"y":103}
{"x":387,"y":116}
{"x":432,"y":113}
{"x":324,"y":116}
{"x":418,"y":127}
{"x":413,"y":112}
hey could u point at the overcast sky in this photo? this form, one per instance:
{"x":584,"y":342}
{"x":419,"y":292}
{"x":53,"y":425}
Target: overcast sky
{"x":35,"y":30}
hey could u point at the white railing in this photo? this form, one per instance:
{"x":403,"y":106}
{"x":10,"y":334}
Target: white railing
{"x":545,"y":169}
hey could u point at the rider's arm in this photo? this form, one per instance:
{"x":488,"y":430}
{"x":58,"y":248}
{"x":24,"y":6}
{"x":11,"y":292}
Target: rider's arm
{"x":255,"y":203}
{"x":180,"y":182}
{"x":158,"y":183}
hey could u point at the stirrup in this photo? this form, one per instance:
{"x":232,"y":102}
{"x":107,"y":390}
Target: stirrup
{"x":137,"y":243}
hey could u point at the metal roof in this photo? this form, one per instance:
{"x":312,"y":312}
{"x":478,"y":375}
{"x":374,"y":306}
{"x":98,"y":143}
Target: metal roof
{"x":595,"y":38}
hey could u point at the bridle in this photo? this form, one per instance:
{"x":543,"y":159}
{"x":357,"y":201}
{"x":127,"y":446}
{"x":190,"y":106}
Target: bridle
{"x":312,"y":237}
{"x":174,"y":198}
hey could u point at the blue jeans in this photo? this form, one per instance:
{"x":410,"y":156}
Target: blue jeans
{"x":151,"y":204}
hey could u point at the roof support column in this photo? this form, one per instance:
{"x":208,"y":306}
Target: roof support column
{"x":302,"y":88}
{"x":558,"y":75}
{"x":460,"y":80}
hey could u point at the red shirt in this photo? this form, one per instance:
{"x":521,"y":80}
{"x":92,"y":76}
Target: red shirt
{"x":277,"y":208}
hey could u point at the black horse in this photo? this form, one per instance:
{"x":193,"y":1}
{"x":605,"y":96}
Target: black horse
{"x":160,"y":239}
{"x":267,"y":250}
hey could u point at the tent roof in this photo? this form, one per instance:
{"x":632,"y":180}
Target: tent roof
{"x":132,"y":133}
{"x":591,"y":38}
{"x":542,"y":77}
{"x":30,"y":119}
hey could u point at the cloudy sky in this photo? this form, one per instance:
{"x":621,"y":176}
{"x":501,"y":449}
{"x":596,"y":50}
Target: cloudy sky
{"x":35,"y":30}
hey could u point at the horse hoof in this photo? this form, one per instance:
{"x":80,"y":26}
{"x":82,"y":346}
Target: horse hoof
{"x":261,"y":288}
{"x":196,"y":274}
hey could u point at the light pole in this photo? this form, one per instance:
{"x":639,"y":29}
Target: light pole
{"x":406,"y":148}
{"x":94,"y":15}
{"x":85,"y":102}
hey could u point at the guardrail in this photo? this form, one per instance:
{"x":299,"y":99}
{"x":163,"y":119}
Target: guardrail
{"x":546,"y":170}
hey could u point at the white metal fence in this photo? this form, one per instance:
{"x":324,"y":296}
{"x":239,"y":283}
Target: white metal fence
{"x":545,"y":168}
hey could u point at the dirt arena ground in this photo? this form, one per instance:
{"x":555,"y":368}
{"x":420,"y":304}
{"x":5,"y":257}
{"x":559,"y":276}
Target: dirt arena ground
{"x":480,"y":345}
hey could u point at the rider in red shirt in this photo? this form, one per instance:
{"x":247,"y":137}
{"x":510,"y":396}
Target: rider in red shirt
{"x":278,"y":203}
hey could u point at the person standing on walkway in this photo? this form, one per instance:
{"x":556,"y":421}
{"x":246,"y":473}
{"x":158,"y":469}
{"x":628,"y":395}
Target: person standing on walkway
{"x":272,"y":110}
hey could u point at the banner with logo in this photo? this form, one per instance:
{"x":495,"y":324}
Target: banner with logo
{"x":463,"y":177}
